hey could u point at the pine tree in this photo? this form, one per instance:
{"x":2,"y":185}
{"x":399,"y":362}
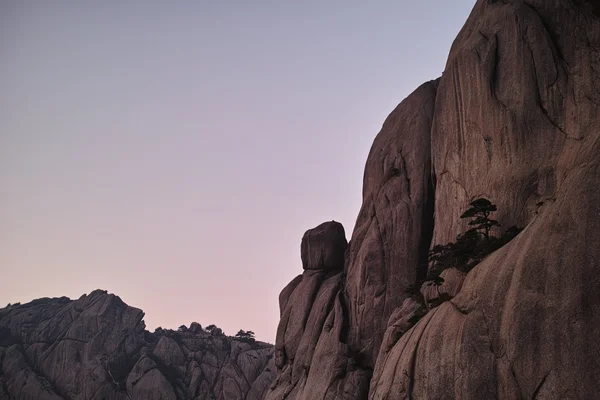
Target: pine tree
{"x":479,"y":213}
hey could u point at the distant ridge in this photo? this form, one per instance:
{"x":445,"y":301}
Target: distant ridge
{"x":97,"y":347}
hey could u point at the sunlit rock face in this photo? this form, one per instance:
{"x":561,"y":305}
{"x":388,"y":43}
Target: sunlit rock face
{"x":97,"y":348}
{"x":515,"y":118}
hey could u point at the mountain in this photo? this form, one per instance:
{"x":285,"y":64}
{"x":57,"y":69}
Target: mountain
{"x":515,"y":118}
{"x":97,"y":347}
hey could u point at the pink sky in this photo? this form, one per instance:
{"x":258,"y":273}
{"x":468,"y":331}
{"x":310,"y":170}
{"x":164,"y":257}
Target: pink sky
{"x":175,"y":154}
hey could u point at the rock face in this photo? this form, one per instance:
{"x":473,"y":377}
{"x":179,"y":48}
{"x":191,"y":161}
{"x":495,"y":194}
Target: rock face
{"x":517,"y":121}
{"x":394,"y":226}
{"x":515,"y":118}
{"x":341,"y":317}
{"x":96,"y":348}
{"x":310,"y":355}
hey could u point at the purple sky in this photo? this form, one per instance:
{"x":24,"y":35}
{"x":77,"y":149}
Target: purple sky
{"x":175,"y":154}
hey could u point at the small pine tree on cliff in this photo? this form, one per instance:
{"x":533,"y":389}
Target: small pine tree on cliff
{"x":470,"y":248}
{"x":480,"y":212}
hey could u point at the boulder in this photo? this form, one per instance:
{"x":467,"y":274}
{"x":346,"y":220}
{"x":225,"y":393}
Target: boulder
{"x":310,"y":306}
{"x":323,"y":247}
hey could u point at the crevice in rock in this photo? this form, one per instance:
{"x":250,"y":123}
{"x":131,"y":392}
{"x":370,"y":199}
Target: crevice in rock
{"x":406,"y":176}
{"x":428,"y":221}
{"x":488,"y":334}
{"x":551,"y":34}
{"x":488,"y":146}
{"x":169,"y":372}
{"x":514,"y":376}
{"x":593,"y":101}
{"x":239,"y":372}
{"x":539,"y":94}
{"x":413,"y":361}
{"x":458,"y":309}
{"x":345,"y":331}
{"x":128,"y":361}
{"x":384,"y":255}
{"x":40,"y":374}
{"x":495,"y":80}
{"x":93,"y":396}
{"x":539,"y":386}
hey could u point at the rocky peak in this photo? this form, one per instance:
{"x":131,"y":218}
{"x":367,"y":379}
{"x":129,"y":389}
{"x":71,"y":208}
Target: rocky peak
{"x":97,"y":347}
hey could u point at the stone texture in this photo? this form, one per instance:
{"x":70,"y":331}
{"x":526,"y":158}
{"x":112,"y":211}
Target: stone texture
{"x":311,"y":329}
{"x":515,"y":118}
{"x":395,"y":223}
{"x":323,"y":247}
{"x":96,"y":348}
{"x":399,"y":323}
{"x":517,"y":121}
{"x":331,"y":328}
{"x":453,"y":281}
{"x":147,"y":382}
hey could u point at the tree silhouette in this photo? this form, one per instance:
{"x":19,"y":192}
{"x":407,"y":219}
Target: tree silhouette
{"x":470,"y":248}
{"x":480,"y":212}
{"x":247,"y":336}
{"x":439,"y":257}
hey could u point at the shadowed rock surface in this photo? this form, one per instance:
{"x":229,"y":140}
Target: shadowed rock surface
{"x":342,"y":320}
{"x":515,"y":118}
{"x":97,"y":348}
{"x":395,"y":224}
{"x":517,"y":121}
{"x":312,"y":320}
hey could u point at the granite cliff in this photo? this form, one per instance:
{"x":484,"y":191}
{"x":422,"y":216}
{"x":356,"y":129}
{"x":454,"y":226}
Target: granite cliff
{"x":515,"y":118}
{"x":97,"y":347}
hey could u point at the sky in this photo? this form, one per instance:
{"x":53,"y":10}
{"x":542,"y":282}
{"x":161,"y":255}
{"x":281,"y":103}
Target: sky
{"x":174,"y":153}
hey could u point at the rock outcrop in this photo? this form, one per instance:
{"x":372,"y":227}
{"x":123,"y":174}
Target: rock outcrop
{"x":390,"y":240}
{"x":310,"y":356}
{"x":97,"y":347}
{"x":517,"y":121}
{"x":515,"y":118}
{"x":394,"y":226}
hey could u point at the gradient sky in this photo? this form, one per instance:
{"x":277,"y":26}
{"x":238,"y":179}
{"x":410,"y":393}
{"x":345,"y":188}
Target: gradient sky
{"x":174,"y":153}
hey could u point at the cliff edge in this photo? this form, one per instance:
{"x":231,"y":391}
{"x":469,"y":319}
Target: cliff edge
{"x":515,"y":118}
